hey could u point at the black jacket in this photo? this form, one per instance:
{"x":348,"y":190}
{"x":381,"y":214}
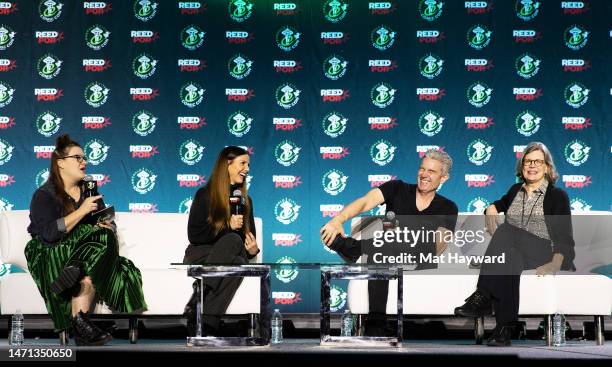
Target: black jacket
{"x":557,"y":217}
{"x":47,"y":215}
{"x":199,"y":231}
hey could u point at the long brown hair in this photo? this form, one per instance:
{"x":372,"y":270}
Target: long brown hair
{"x":219,"y":191}
{"x":62,"y":145}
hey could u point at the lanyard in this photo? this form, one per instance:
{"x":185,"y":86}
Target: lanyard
{"x":524,"y":226}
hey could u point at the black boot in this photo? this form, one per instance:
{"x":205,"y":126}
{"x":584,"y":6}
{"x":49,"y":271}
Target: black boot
{"x":191,"y":305}
{"x":502,"y":336}
{"x":476,"y":305}
{"x":86,"y":333}
{"x":191,"y":310}
{"x":68,"y":279}
{"x":376,"y":325}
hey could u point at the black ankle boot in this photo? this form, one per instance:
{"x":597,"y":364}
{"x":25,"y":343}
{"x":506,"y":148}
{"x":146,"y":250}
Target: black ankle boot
{"x":68,"y":279}
{"x":476,"y":305}
{"x":192,"y":304}
{"x":502,"y":336}
{"x":86,"y":333}
{"x":191,"y":308}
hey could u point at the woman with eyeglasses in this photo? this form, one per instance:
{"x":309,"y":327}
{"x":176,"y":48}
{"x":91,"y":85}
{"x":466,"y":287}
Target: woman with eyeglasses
{"x":72,"y":258}
{"x":537,"y":234}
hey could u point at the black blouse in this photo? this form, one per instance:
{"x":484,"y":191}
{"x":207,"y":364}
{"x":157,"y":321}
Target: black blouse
{"x":47,"y":215}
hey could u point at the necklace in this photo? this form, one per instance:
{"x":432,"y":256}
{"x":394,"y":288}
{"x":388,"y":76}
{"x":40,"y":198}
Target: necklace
{"x":524,"y":226}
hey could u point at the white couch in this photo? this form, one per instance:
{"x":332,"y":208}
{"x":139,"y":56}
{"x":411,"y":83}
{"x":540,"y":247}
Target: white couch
{"x":151,"y":241}
{"x":437,"y":292}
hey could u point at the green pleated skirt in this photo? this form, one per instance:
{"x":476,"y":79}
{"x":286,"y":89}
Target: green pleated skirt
{"x":117,"y":280}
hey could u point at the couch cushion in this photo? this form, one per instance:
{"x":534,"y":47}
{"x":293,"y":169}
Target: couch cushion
{"x":583,"y":294}
{"x":166,"y":293}
{"x":14,"y":236}
{"x":19,"y":292}
{"x":168,"y":290}
{"x":151,"y":241}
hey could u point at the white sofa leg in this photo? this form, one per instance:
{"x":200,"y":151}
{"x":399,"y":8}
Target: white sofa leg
{"x":133,"y":330}
{"x":479,"y":329}
{"x":64,"y":339}
{"x":548,"y":331}
{"x":359,"y":326}
{"x":599,"y":330}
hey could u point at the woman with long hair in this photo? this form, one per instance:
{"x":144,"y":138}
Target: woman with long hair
{"x":72,"y":258}
{"x":217,"y":236}
{"x":537,"y":234}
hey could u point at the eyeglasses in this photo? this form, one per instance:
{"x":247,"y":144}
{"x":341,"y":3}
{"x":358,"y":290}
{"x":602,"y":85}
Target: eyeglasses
{"x":79,"y":158}
{"x":535,"y":162}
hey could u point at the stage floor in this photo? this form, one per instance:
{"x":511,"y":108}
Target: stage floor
{"x":422,"y":349}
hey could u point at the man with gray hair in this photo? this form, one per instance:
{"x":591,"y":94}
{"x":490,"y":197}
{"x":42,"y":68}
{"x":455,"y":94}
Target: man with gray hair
{"x":403,"y":199}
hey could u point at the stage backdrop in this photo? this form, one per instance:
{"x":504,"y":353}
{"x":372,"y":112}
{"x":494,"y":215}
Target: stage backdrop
{"x":330,"y":97}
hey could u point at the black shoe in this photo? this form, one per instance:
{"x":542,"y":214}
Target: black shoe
{"x":377,"y":326}
{"x":86,"y":333}
{"x":502,"y":337}
{"x":191,"y":309}
{"x":70,"y":276}
{"x":192,"y":305}
{"x":348,"y":248}
{"x":232,"y":329}
{"x":476,"y":305}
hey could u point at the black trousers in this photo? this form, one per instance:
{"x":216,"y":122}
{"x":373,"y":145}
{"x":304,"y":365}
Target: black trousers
{"x":229,"y":249}
{"x":523,"y":251}
{"x":378,"y":289}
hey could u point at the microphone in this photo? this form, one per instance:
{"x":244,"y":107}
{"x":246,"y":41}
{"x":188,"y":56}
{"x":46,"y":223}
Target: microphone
{"x":90,"y":186}
{"x":237,"y":203}
{"x":389,"y":221}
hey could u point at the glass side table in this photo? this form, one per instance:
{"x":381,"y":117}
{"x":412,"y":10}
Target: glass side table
{"x":199,"y":272}
{"x":359,"y":271}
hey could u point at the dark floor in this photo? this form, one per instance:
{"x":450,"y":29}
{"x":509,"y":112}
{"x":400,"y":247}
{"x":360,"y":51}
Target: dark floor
{"x":425,"y":341}
{"x":303,"y":350}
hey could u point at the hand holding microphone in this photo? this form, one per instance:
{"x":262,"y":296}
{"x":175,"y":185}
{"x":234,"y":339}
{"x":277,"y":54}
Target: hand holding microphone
{"x":90,"y":187}
{"x":236,"y":210}
{"x":236,"y":222}
{"x":92,"y":200}
{"x":390,"y":222}
{"x":90,"y":204}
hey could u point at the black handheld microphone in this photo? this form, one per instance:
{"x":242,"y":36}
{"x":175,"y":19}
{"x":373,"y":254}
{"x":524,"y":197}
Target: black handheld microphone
{"x":389,"y":221}
{"x":237,"y":203}
{"x":90,"y":187}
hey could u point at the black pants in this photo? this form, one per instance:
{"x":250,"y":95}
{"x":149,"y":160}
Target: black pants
{"x":229,"y":249}
{"x":351,"y":250}
{"x":501,"y":282}
{"x":378,"y":290}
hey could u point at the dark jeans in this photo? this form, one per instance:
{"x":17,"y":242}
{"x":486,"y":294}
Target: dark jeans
{"x":501,"y":282}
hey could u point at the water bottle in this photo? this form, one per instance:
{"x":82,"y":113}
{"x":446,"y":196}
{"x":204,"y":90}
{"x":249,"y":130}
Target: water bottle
{"x":346,"y":325}
{"x":558,"y":330}
{"x":17,"y":329}
{"x":277,"y":327}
